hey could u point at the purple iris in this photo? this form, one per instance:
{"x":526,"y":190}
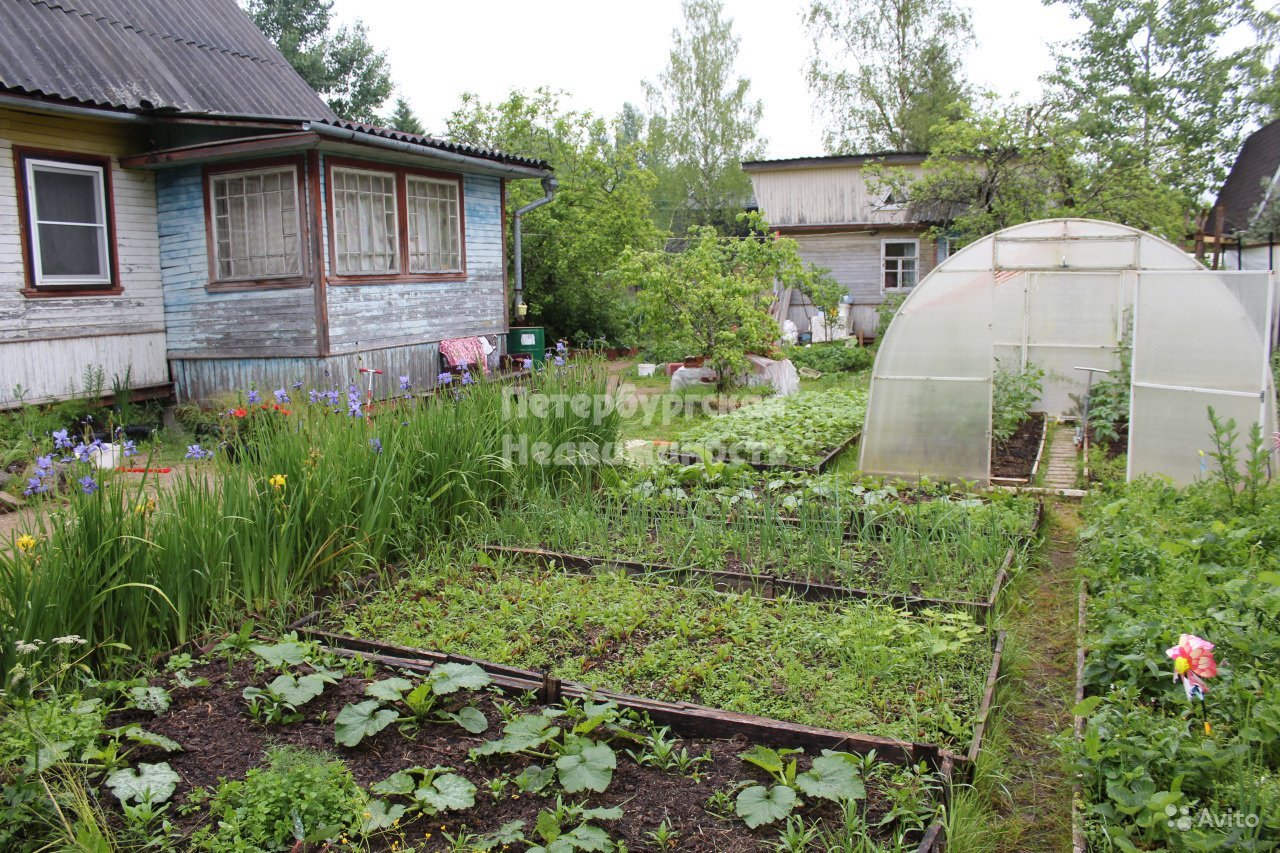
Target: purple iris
{"x":376,"y":444}
{"x":282,"y":396}
{"x":334,"y":396}
{"x":35,"y":486}
{"x":561,"y":347}
{"x":314,"y":395}
{"x":444,"y":378}
{"x":61,"y":440}
{"x":130,"y":448}
{"x":254,"y":397}
{"x":295,"y":386}
{"x":44,"y":465}
{"x":81,"y":451}
{"x":466,"y":378}
{"x":353,"y":401}
{"x":195,"y":451}
{"x":405,"y":384}
{"x":559,"y":361}
{"x":88,"y":485}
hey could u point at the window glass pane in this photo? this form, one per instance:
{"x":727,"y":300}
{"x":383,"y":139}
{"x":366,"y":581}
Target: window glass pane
{"x":256,"y":220}
{"x":66,"y":196}
{"x":365,"y":222}
{"x":72,"y":250}
{"x":900,"y":250}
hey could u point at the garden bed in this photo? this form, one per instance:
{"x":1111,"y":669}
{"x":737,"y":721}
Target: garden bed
{"x":1018,"y":459}
{"x":782,"y":659}
{"x":688,"y":781}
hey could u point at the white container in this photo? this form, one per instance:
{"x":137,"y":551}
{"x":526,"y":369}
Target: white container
{"x":107,"y":456}
{"x":646,"y":369}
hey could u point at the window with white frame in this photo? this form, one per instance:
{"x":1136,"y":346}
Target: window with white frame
{"x":256,"y":224}
{"x":67,"y":223}
{"x":435,"y":237}
{"x":365,"y":222}
{"x":899,"y":263}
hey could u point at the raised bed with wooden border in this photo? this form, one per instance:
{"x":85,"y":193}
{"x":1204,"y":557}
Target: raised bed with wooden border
{"x":816,"y":468}
{"x":1010,"y":479}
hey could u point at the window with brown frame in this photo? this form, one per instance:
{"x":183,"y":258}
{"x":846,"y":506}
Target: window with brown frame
{"x":390,"y":223}
{"x":68,"y":223}
{"x":256,"y":222}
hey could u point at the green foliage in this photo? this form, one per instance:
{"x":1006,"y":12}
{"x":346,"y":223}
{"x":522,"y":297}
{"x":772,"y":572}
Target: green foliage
{"x":298,"y":796}
{"x":361,"y":720}
{"x":1013,"y":394}
{"x":793,"y":430}
{"x":759,"y":805}
{"x":1160,"y":562}
{"x":886,"y":73}
{"x":403,"y":119}
{"x":715,"y":295}
{"x":830,"y":357}
{"x":149,"y":784}
{"x":342,"y":66}
{"x":704,"y":124}
{"x":601,"y":208}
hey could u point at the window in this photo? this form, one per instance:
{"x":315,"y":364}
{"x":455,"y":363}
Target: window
{"x":366,"y":227}
{"x":256,"y":224}
{"x":435,"y":242}
{"x":68,"y":226}
{"x":898,"y":263}
{"x":394,"y":223}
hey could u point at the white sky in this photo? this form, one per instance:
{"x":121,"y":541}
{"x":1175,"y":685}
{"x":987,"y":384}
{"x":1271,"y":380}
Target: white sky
{"x":600,"y":50}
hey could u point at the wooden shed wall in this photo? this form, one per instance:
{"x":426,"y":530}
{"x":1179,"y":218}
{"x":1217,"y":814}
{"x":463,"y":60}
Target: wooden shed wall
{"x":854,"y":261}
{"x":821,"y":196}
{"x":45,"y":343}
{"x":261,"y":323}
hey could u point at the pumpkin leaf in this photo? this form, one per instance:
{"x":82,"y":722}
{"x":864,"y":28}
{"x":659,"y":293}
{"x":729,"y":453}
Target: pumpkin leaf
{"x":356,"y":722}
{"x":148,"y":783}
{"x":759,"y":805}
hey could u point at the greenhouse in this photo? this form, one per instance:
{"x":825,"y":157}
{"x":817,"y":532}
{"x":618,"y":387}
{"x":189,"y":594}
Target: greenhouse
{"x":1067,"y":296}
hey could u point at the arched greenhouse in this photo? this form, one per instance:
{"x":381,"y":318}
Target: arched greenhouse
{"x":1066,"y":294}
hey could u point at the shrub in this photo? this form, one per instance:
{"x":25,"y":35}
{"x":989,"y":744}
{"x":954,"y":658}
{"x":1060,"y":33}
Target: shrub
{"x":831,"y":357}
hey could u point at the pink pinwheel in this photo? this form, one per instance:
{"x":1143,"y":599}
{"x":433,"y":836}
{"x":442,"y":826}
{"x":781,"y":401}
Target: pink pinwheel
{"x":1192,"y":663}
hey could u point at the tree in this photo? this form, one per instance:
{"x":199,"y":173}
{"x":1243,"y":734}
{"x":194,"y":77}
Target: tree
{"x":601,"y":208}
{"x":342,"y":66}
{"x":1152,"y":87}
{"x":1266,"y":96}
{"x":714,"y":297}
{"x":886,"y":72}
{"x":403,"y":119}
{"x":704,"y":123}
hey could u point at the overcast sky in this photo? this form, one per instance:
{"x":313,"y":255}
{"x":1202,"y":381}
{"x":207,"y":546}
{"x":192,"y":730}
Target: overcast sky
{"x":601,"y":50}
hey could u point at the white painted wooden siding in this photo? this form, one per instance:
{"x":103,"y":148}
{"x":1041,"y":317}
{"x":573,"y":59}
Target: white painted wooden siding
{"x":832,"y":195}
{"x":44,"y":342}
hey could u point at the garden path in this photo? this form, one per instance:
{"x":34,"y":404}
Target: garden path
{"x":1043,"y":628}
{"x":1062,"y":460}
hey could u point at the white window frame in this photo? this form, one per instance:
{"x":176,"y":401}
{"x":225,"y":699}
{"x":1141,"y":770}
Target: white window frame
{"x":397,"y":229}
{"x":215,"y":273}
{"x":457,"y":222}
{"x":38,"y":278}
{"x":884,"y":259}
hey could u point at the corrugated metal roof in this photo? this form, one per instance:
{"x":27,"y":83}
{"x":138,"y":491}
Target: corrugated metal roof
{"x":442,"y":144}
{"x":1255,"y":168}
{"x":199,"y":57}
{"x":835,"y":160}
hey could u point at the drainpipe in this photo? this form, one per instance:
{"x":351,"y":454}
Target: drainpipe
{"x":549,"y":186}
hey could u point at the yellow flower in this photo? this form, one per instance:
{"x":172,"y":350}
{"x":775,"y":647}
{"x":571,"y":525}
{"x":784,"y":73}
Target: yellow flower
{"x":1208,"y":729}
{"x":277,"y":481}
{"x":26,"y":542}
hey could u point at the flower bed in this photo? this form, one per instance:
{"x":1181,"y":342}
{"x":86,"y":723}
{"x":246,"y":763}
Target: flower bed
{"x":799,"y":431}
{"x":857,"y":667}
{"x":1167,"y":765}
{"x":262,"y":744}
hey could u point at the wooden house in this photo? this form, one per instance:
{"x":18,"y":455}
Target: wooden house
{"x":175,"y":200}
{"x":1231,"y":236}
{"x":845,"y":223}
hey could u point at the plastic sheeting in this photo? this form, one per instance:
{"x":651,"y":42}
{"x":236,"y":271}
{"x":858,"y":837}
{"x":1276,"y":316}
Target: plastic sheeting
{"x":1061,"y":295}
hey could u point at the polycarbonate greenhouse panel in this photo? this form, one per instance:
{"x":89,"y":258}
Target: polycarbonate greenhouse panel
{"x":1107,"y":253}
{"x":953,"y":440}
{"x":1176,"y":381}
{"x":944,"y":330}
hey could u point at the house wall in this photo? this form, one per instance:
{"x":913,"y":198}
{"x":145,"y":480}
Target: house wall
{"x":854,"y":261}
{"x":368,"y":316}
{"x":823,"y":196}
{"x":47,"y":342}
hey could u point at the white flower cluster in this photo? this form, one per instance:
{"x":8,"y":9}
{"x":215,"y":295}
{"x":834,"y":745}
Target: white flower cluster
{"x":26,"y":648}
{"x":70,"y":640}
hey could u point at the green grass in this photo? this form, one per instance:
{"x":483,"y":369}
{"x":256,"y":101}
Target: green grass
{"x":859,"y":667}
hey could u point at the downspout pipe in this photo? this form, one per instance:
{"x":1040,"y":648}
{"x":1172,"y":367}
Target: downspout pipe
{"x":549,"y":187}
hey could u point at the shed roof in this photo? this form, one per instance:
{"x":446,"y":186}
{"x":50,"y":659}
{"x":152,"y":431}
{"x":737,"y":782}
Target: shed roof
{"x":889,"y":157}
{"x":1256,"y":168}
{"x":168,"y":56}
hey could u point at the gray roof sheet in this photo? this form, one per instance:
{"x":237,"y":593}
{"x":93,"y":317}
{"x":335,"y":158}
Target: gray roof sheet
{"x":442,"y":144}
{"x":1255,"y":168}
{"x":196,"y":57}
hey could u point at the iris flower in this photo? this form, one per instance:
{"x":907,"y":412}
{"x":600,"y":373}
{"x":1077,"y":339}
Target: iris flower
{"x":130,"y":448}
{"x":1192,"y":663}
{"x":277,"y":481}
{"x":254,"y":397}
{"x":88,"y":485}
{"x":26,"y":542}
{"x":195,"y":451}
{"x":61,"y":440}
{"x":444,"y":378}
{"x":282,"y":396}
{"x":376,"y":444}
{"x":405,"y":384}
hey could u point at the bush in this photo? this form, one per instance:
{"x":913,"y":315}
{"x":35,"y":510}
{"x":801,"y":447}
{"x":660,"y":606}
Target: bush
{"x":830,"y":357}
{"x":1012,"y":397}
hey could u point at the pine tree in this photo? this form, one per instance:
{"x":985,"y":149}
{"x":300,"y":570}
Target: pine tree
{"x":403,"y":119}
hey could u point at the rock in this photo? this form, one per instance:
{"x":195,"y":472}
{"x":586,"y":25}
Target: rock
{"x":8,"y":503}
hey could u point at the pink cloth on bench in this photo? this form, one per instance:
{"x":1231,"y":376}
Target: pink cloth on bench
{"x":464,"y":351}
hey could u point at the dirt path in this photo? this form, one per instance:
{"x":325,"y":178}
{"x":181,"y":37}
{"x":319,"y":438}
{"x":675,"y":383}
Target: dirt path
{"x":1044,"y":627}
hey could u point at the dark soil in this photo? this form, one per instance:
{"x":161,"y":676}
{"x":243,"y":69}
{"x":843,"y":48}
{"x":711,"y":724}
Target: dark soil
{"x":221,"y":741}
{"x":1015,"y":457}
